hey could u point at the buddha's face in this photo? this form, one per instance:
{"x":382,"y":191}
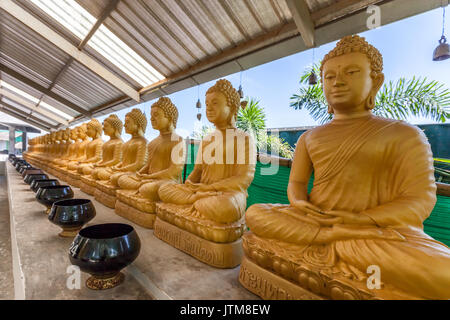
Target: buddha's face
{"x":73,"y":134}
{"x":91,"y":132}
{"x":217,"y":109}
{"x":158,"y":119}
{"x":131,"y":126}
{"x":81,"y":134}
{"x":347,"y":82}
{"x":108,"y":129}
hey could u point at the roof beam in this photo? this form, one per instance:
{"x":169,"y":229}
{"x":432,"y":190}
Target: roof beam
{"x":105,"y":14}
{"x":302,"y":18}
{"x":43,"y":90}
{"x":35,"y":24}
{"x":17,"y":114}
{"x":340,"y":9}
{"x":32,"y":106}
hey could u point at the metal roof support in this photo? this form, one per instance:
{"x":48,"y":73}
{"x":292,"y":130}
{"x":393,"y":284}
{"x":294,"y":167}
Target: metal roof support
{"x":59,"y":41}
{"x":32,"y":106}
{"x":18,"y":115}
{"x":43,"y":90}
{"x":303,"y":20}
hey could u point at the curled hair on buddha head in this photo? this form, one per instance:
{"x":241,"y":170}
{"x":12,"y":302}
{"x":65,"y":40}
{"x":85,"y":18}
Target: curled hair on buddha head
{"x":138,"y":117}
{"x":96,"y":125}
{"x":169,"y":109}
{"x":116,"y":123}
{"x":355,"y":43}
{"x":231,"y":94}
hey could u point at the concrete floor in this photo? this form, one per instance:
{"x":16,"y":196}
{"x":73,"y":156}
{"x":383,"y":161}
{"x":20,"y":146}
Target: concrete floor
{"x":160,"y":271}
{"x":6,"y":274}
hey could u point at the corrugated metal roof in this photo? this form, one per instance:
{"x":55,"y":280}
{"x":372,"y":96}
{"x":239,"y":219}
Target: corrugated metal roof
{"x":187,"y":41}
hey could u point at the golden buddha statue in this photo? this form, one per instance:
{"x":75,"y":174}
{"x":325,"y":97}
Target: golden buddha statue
{"x":208,"y":209}
{"x":73,"y":134}
{"x":139,"y":191}
{"x":111,"y":154}
{"x":134,"y":157}
{"x":63,"y":146}
{"x":373,"y":188}
{"x":72,"y":167}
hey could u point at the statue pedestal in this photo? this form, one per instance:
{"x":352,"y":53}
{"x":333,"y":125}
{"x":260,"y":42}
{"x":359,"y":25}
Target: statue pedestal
{"x":219,"y":255}
{"x":269,"y":286}
{"x":273,"y":269}
{"x":87,"y":185}
{"x":73,"y":178}
{"x":144,"y":219}
{"x":105,"y":194}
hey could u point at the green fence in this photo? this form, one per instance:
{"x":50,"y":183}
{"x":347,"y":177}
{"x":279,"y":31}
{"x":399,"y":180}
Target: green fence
{"x":272,"y":189}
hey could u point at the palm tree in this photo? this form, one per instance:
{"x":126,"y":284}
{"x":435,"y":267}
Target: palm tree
{"x":252,"y":118}
{"x":400,"y":100}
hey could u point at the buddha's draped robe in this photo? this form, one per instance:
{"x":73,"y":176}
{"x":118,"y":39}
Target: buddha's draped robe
{"x":134,"y":156}
{"x":160,"y":160}
{"x":229,"y":180}
{"x":111,"y":155}
{"x":81,"y":155}
{"x":380,"y":168}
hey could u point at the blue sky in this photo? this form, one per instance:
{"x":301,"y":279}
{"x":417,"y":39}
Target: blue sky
{"x":407,"y":48}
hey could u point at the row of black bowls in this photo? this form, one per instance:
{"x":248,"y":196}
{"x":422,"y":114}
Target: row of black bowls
{"x":101,"y":250}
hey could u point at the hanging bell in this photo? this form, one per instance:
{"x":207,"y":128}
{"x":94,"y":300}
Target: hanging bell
{"x":312,"y":78}
{"x":241,"y":92}
{"x":199,"y":104}
{"x":199,"y":116}
{"x":442,"y":52}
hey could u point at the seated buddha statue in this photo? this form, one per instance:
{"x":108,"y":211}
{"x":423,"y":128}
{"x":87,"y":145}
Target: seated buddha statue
{"x":209,"y":207}
{"x":52,"y":150}
{"x":373,"y":188}
{"x":111,"y":153}
{"x":70,"y":152}
{"x":81,"y":143}
{"x":63,"y":146}
{"x":134,"y":157}
{"x":138,"y":192}
{"x":94,"y":148}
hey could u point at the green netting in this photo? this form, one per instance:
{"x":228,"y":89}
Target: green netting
{"x":272,"y":189}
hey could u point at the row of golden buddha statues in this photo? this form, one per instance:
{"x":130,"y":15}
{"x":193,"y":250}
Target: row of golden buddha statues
{"x":374,"y":186}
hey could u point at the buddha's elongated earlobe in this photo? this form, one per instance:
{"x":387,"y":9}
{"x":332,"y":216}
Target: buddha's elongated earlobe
{"x":330,"y":110}
{"x":370,"y":102}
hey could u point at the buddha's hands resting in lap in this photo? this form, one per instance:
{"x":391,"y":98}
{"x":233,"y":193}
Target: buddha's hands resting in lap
{"x":351,"y":218}
{"x":316,"y":213}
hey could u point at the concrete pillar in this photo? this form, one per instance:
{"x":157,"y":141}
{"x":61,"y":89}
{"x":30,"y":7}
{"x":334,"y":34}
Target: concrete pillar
{"x":12,"y":140}
{"x":24,"y":141}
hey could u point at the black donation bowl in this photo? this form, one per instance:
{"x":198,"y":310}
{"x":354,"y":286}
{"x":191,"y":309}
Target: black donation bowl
{"x":36,"y":184}
{"x":102,"y":251}
{"x":71,"y":215}
{"x":50,"y":194}
{"x":29,"y":178}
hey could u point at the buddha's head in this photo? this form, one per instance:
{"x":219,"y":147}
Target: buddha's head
{"x":94,"y":128}
{"x":66,"y":134}
{"x":112,"y":126}
{"x":135,"y":122}
{"x":82,"y":131}
{"x":352,"y":75}
{"x":222,"y":104}
{"x":74,"y":133}
{"x":164,"y":115}
{"x":59,"y":135}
